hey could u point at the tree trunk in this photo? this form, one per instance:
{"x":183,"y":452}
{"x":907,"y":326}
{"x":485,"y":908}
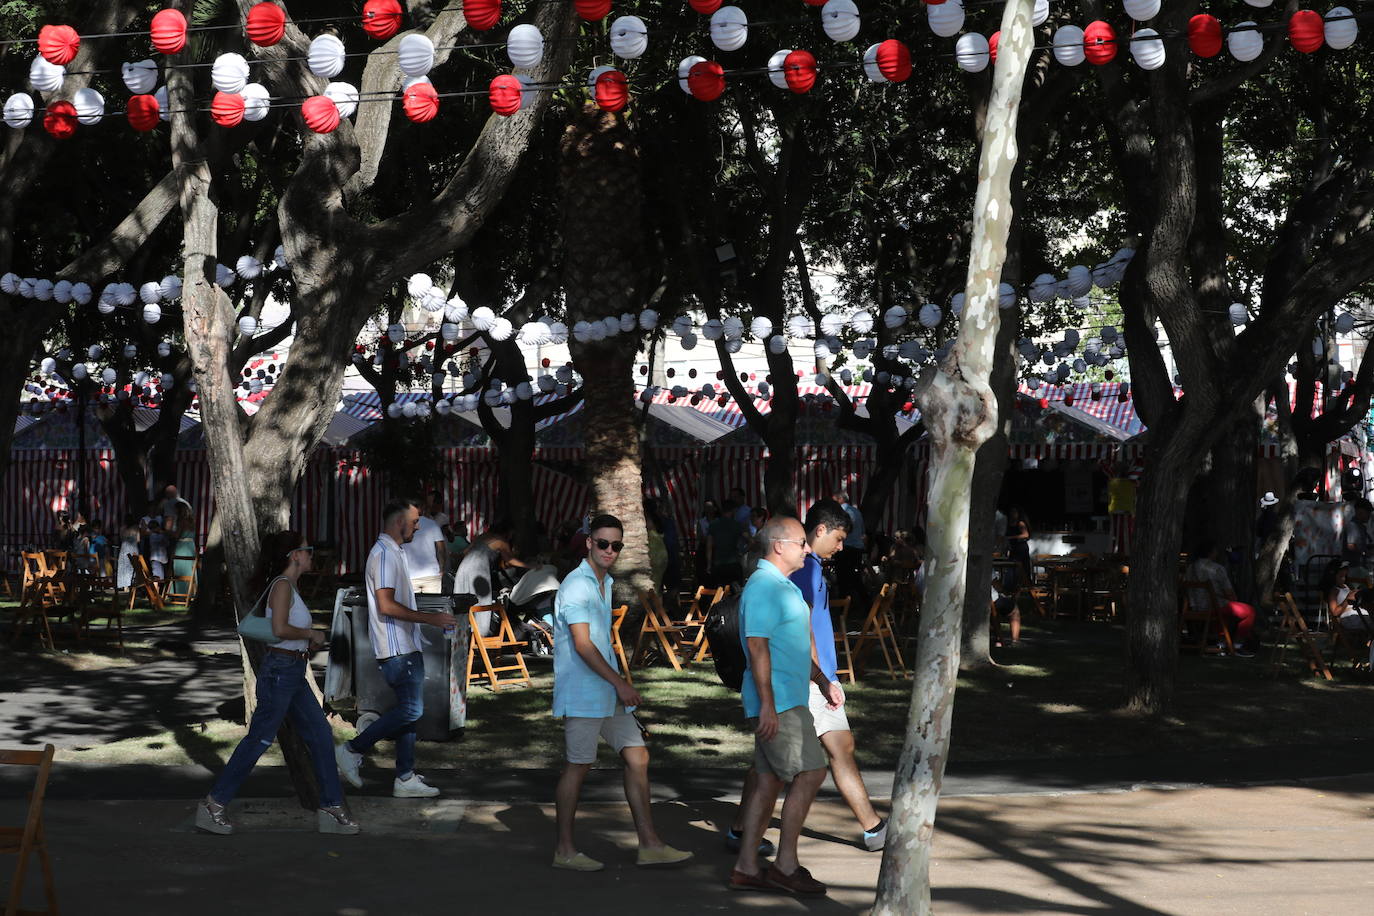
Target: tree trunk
{"x":210,"y":331}
{"x":960,"y":412}
{"x":1233,"y":499}
{"x":602,"y":204}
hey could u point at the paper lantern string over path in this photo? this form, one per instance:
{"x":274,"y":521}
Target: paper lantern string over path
{"x":420,"y":102}
{"x":168,"y":31}
{"x":381,"y":18}
{"x":482,"y":14}
{"x":58,"y":44}
{"x":505,"y":95}
{"x":265,"y":24}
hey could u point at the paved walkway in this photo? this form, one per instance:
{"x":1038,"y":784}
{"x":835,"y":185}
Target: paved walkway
{"x":1280,"y":850}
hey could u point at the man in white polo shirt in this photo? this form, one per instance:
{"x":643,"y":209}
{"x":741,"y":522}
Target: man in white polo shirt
{"x":596,"y":702}
{"x":394,"y":628}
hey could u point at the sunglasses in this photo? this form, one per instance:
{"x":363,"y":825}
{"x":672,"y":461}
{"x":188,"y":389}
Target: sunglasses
{"x":308,"y":549}
{"x":603,"y":544}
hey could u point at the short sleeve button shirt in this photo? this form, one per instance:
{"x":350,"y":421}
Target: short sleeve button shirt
{"x":772,"y":607}
{"x":578,"y":690}
{"x":386,"y":568}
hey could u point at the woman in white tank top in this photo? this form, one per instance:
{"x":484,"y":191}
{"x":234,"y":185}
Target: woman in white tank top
{"x":283,"y":691}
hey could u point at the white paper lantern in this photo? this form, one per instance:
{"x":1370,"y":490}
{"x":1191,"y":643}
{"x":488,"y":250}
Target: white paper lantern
{"x":229,"y":72}
{"x":442,"y":407}
{"x":395,"y":332}
{"x":800,"y":326}
{"x":248,"y":325}
{"x":418,"y":285}
{"x":160,"y":96}
{"x":946,"y":19}
{"x":648,"y":319}
{"x":326,"y":56}
{"x":152,"y":313}
{"x":1345,"y":323}
{"x":224,"y":276}
{"x":1260,"y":4}
{"x":140,"y":76}
{"x":1245,"y":42}
{"x":45,"y":76}
{"x":79,"y":371}
{"x":610,"y":325}
{"x":833,"y":323}
{"x":629,"y":37}
{"x":971,"y":52}
{"x":81,"y":293}
{"x":840,"y":19}
{"x":415,"y":54}
{"x":684,"y":68}
{"x":1341,"y":28}
{"x":1006,"y":295}
{"x":19,"y":110}
{"x":761,"y":327}
{"x":90,"y":106}
{"x":1080,"y":366}
{"x":433,"y":301}
{"x":1068,"y":45}
{"x":1079,"y":282}
{"x":170,"y":287}
{"x":62,"y":292}
{"x":896,"y":316}
{"x":729,"y":28}
{"x":1141,"y":10}
{"x":861,"y":322}
{"x":525,"y":46}
{"x":248,"y":267}
{"x":457,"y":311}
{"x":776,"y":344}
{"x":734,"y":328}
{"x":26,"y":287}
{"x":257,"y":101}
{"x":1239,"y":315}
{"x":1040,"y":13}
{"x":1071,"y":338}
{"x":42,"y":290}
{"x":870,"y":65}
{"x":94,"y":352}
{"x":929,"y":315}
{"x":956,"y":304}
{"x":124,"y":293}
{"x":775,"y":72}
{"x":1148,"y":49}
{"x":150,"y":292}
{"x":483,"y":318}
{"x":344,"y":96}
{"x":108,"y":376}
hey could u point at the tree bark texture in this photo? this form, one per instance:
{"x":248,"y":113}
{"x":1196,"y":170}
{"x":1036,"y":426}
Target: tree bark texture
{"x":961,"y":413}
{"x":602,"y":214}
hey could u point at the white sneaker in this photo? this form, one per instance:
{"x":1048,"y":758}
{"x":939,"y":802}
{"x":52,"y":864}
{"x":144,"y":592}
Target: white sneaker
{"x":348,"y":763}
{"x":413,"y":787}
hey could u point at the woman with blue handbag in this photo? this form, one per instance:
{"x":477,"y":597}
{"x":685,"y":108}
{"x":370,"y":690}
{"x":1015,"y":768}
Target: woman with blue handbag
{"x":282,"y":691}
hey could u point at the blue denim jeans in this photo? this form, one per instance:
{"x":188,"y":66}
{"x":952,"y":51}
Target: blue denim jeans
{"x":406,"y":675}
{"x":282,"y":692}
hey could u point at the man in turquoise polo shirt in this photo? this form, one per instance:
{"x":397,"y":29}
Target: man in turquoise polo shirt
{"x":775,"y":626}
{"x":594,"y":701}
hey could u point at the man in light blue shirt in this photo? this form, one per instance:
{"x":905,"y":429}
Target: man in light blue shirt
{"x":595,"y":701}
{"x":775,"y":627}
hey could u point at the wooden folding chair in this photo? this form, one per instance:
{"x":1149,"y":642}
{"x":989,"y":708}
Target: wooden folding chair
{"x":1293,"y":628}
{"x":1209,"y":617}
{"x":30,"y":838}
{"x":661,"y":633}
{"x":143,"y":582}
{"x":618,"y":618}
{"x":486,"y":646}
{"x":1352,"y":643}
{"x":102,"y":601}
{"x":1107,"y":591}
{"x":699,"y":649}
{"x":40,"y":599}
{"x":180,"y":591}
{"x":879,"y":627}
{"x":844,"y":649}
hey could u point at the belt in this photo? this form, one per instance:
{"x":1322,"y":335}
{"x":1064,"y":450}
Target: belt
{"x":294,"y":653}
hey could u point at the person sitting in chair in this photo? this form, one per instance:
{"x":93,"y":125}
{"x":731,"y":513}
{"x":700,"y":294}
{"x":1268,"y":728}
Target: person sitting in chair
{"x":1235,"y":612}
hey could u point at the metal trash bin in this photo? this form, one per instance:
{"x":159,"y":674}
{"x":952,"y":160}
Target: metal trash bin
{"x":353,"y":673}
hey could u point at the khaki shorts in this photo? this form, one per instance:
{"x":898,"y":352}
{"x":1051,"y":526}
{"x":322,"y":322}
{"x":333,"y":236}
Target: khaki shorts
{"x":619,"y":729}
{"x":826,"y":719}
{"x":794,"y":749}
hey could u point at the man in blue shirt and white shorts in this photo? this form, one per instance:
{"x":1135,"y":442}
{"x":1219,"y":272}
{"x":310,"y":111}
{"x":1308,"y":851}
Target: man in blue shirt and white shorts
{"x":595,"y":701}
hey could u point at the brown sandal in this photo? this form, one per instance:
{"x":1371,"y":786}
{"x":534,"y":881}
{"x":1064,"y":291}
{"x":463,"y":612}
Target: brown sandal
{"x":739,"y":881}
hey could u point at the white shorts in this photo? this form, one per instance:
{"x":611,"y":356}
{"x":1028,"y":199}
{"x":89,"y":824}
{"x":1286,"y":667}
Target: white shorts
{"x":827,"y":719}
{"x":580,"y":733}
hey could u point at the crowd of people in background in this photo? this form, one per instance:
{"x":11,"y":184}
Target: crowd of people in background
{"x":164,"y":535}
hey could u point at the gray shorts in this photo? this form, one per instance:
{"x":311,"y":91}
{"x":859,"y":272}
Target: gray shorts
{"x":580,"y":734}
{"x":794,"y":749}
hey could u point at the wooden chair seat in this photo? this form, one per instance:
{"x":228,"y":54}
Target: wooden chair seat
{"x":180,"y":591}
{"x":485,"y":647}
{"x":23,"y":841}
{"x":695,"y":619}
{"x":659,"y":634}
{"x":1293,"y":628}
{"x":144,"y":583}
{"x":879,"y":629}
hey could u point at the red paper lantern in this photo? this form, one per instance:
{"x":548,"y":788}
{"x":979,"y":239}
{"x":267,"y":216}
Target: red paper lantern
{"x":1204,"y":35}
{"x":545,"y":362}
{"x":908,"y":407}
{"x":1044,"y":403}
{"x":704,"y":7}
{"x":1306,"y":31}
{"x":1099,"y":43}
{"x":420,"y":102}
{"x":706,"y":80}
{"x":799,"y":70}
{"x":265,"y":25}
{"x":894,"y":60}
{"x":58,"y":44}
{"x":482,"y":14}
{"x":1068,"y":400}
{"x":320,"y":113}
{"x":815,"y":2}
{"x":593,"y":10}
{"x":992,"y":46}
{"x":143,"y":112}
{"x":722,"y":400}
{"x":612,"y":91}
{"x":381,"y":18}
{"x":226,"y":108}
{"x":60,"y":120}
{"x":168,"y":31}
{"x":506,"y":95}
{"x":934,"y":2}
